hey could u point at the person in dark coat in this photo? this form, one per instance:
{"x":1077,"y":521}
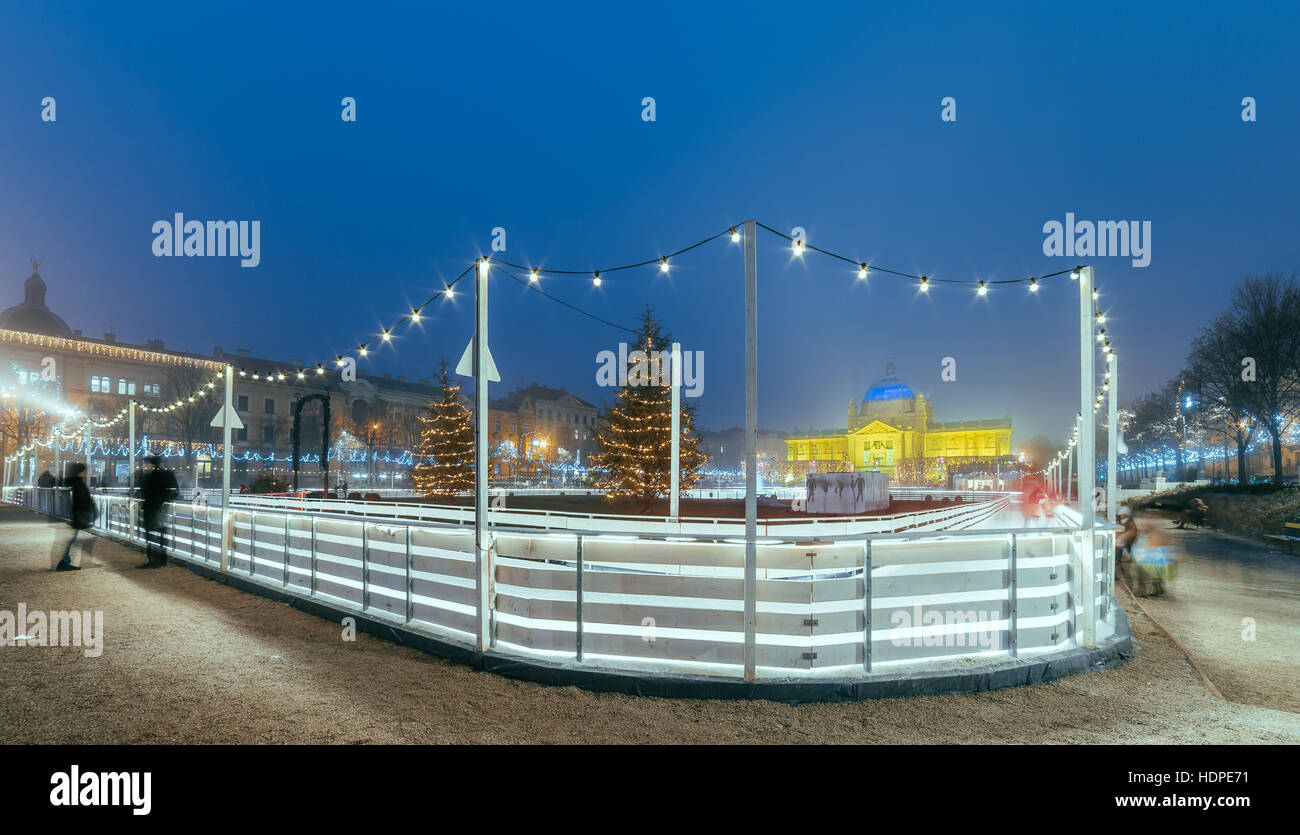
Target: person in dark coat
{"x":158,"y":487}
{"x":46,"y":479}
{"x":83,"y":518}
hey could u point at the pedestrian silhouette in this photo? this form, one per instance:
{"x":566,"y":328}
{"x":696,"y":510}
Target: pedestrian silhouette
{"x":158,"y":488}
{"x":84,"y":513}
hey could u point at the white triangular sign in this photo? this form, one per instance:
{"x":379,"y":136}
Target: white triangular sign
{"x":465,"y":367}
{"x":221,"y":417}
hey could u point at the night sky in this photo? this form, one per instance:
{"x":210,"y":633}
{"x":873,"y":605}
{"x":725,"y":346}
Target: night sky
{"x":528,"y":117}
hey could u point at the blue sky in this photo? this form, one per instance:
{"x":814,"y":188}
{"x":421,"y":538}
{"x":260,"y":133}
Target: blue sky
{"x":528,"y":117}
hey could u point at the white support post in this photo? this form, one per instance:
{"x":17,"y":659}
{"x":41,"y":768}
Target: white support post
{"x":482,"y":552}
{"x":1112,"y":441}
{"x":227,"y":528}
{"x":751,"y":450}
{"x":130,"y":436}
{"x":1069,"y":474}
{"x":1087,"y":463}
{"x":130,"y":473}
{"x":674,"y":508}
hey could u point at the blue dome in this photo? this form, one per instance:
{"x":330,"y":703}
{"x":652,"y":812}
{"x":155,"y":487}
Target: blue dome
{"x":888,"y":388}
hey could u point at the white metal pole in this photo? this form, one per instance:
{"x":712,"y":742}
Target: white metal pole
{"x":1087,"y":463}
{"x":1112,"y":441}
{"x":751,"y":449}
{"x":1069,"y":474}
{"x":481,"y":556}
{"x":130,"y":473}
{"x":675,"y":488}
{"x":227,"y":529}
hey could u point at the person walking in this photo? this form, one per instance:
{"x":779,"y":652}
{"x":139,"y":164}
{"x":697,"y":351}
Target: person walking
{"x":158,"y":488}
{"x":83,"y":518}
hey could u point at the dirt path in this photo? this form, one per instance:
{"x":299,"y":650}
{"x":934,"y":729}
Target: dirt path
{"x":1226,"y":584}
{"x":187,"y":660}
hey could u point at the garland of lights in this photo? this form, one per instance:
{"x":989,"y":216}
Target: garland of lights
{"x":799,"y":246}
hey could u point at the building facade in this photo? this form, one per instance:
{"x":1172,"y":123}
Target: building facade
{"x":49,"y":371}
{"x":891,"y":425}
{"x":537,"y":426}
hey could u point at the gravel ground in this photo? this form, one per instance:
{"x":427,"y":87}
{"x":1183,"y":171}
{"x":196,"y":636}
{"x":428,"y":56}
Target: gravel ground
{"x":187,"y":660}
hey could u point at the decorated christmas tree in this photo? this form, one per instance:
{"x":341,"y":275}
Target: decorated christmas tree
{"x":446,"y":444}
{"x":635,"y":441}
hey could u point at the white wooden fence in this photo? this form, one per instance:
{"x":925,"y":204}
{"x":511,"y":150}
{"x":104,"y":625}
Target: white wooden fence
{"x":839,"y":604}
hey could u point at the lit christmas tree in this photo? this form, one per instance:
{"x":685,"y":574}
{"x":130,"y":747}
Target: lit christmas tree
{"x":446,"y":444}
{"x":635,"y":457}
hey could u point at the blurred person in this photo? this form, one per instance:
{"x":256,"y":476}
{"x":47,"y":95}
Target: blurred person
{"x":1157,"y":562}
{"x":157,"y":489}
{"x":46,"y":479}
{"x":1124,"y":548}
{"x":83,"y":518}
{"x":1196,"y":513}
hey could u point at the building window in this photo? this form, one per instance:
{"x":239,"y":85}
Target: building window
{"x":121,"y":386}
{"x":268,"y":406}
{"x":241,"y":403}
{"x":268,"y":434}
{"x":100,"y":385}
{"x":241,"y":434}
{"x":151,"y":389}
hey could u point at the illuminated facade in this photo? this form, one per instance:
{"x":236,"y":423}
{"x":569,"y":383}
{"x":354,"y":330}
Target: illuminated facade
{"x":893,"y":424}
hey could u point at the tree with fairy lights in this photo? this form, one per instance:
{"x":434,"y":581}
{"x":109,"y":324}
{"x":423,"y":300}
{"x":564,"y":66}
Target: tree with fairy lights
{"x":635,"y":441}
{"x":446,"y":444}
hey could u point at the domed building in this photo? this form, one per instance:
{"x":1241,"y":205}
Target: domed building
{"x":893,"y":424}
{"x":32,"y":316}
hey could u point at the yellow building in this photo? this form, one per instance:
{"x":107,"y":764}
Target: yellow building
{"x":893,"y":424}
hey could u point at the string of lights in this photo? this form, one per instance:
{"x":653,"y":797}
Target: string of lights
{"x":386,"y":335}
{"x":362,"y":350}
{"x":532,"y":285}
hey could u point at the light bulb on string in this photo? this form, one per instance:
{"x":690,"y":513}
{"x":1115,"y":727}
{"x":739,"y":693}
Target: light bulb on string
{"x":735,"y":236}
{"x":1033,"y":285}
{"x":1074,"y":274}
{"x":798,"y":247}
{"x":533,"y":276}
{"x":415,"y":315}
{"x":862,"y":271}
{"x":387,"y":335}
{"x":983,"y":291}
{"x":595,"y":278}
{"x":663,"y":264}
{"x":925,"y":284}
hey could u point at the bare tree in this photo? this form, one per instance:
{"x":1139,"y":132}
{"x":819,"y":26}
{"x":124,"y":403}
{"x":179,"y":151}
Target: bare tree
{"x":1215,"y":372}
{"x":186,"y":421}
{"x":1264,"y":320}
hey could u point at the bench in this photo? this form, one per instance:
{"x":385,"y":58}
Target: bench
{"x":1290,"y":535}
